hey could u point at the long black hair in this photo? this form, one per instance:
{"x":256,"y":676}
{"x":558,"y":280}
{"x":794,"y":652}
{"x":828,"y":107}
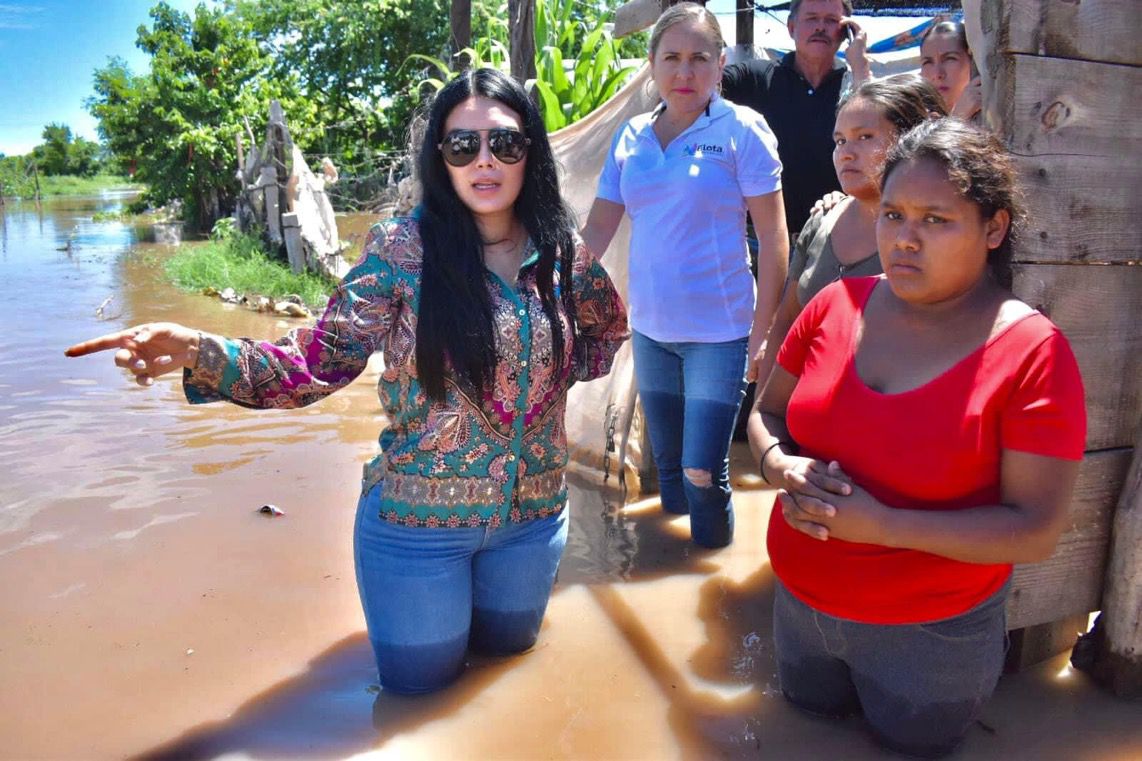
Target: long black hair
{"x":978,"y":166}
{"x":454,"y":321}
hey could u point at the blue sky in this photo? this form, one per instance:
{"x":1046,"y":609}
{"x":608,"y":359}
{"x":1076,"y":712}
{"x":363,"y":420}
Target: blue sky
{"x":48,"y":52}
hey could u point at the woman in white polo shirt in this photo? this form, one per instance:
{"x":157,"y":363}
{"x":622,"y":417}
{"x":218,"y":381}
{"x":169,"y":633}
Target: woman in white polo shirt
{"x":686,"y":173}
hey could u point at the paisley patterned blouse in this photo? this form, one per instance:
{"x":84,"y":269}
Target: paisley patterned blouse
{"x":460,"y":462}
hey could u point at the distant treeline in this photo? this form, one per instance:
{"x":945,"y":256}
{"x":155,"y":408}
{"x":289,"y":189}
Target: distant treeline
{"x":60,"y":155}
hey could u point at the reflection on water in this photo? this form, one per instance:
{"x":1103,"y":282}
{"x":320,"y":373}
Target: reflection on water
{"x":150,"y":610}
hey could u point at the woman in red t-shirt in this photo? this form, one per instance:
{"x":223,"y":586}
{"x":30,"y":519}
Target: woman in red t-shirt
{"x":925,"y":430}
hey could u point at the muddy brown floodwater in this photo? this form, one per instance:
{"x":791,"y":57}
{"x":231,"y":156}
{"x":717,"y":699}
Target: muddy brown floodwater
{"x":150,"y":611}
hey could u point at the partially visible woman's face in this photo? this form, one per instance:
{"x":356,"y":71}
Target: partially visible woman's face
{"x":933,"y":242}
{"x":487,"y":186}
{"x":861,"y":138}
{"x":687,"y":67}
{"x":945,"y":64}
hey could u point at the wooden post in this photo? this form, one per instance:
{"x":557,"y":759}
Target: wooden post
{"x":745,"y":23}
{"x":1118,"y":652}
{"x":1034,"y":644}
{"x":36,"y":178}
{"x":295,"y":249}
{"x":269,"y":184}
{"x":241,"y":157}
{"x":460,"y":19}
{"x":1058,"y":82}
{"x":521,"y":31}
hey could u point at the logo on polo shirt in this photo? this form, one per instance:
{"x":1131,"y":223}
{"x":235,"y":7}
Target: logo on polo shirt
{"x":701,"y":148}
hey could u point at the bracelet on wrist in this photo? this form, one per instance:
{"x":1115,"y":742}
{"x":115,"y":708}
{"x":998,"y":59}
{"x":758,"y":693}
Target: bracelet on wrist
{"x":770,"y":448}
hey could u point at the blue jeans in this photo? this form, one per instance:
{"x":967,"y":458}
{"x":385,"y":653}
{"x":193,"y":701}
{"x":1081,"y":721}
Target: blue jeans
{"x":690,"y":394}
{"x":431,"y":593}
{"x":920,"y":686}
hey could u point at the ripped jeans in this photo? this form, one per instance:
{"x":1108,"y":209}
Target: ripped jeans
{"x":690,"y":394}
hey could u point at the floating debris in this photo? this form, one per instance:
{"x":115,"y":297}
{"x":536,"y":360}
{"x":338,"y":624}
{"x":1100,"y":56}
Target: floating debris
{"x":271,"y":510}
{"x":290,"y":309}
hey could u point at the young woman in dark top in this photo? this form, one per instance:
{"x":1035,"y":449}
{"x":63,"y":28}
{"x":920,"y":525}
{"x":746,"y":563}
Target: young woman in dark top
{"x":842,"y":241}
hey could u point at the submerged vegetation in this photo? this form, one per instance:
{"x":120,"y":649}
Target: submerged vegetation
{"x":234,"y":260}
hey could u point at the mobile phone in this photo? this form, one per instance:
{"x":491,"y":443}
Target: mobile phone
{"x":849,"y":32}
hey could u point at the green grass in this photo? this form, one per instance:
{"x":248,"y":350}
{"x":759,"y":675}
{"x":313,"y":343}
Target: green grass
{"x":239,"y":262}
{"x":68,"y":185}
{"x":113,"y":216}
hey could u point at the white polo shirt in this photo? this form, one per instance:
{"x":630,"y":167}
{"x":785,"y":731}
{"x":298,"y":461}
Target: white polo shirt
{"x":690,"y":277}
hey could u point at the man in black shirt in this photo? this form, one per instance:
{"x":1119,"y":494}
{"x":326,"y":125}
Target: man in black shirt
{"x":798,"y":97}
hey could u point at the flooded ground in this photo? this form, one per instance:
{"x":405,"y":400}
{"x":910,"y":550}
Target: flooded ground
{"x":149,"y":610}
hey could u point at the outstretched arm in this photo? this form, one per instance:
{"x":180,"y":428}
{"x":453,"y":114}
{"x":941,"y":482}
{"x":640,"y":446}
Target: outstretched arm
{"x":298,"y":369}
{"x":146,"y":351}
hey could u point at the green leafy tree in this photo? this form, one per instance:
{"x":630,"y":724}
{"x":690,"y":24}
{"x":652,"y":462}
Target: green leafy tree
{"x":348,"y":60}
{"x":63,"y":154}
{"x":177,"y":124}
{"x":83,"y":158}
{"x":118,"y":104}
{"x":52,"y":154}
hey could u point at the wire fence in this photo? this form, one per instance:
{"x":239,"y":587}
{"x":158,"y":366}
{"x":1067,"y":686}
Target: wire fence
{"x":368,"y":184}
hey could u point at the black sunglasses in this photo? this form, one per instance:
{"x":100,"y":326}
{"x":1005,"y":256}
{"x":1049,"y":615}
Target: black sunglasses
{"x":460,"y":147}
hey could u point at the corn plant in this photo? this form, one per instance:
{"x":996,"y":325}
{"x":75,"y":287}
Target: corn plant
{"x":595,"y":76}
{"x":577,"y":62}
{"x":486,"y":53}
{"x":556,"y":26}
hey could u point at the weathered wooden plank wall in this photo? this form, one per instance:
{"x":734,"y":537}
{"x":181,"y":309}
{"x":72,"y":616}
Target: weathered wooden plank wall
{"x":1065,"y":195}
{"x":1060,"y":87}
{"x":1071,"y":581}
{"x":1099,"y":308}
{"x":1090,"y":30}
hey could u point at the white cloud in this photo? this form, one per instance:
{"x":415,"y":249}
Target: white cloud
{"x":19,"y":16}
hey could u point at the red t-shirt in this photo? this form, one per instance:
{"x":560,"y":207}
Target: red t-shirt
{"x":935,"y":447}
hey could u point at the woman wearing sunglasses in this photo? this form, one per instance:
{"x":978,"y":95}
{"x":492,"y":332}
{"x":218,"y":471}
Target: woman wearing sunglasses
{"x":486,"y":308}
{"x":686,"y":173}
